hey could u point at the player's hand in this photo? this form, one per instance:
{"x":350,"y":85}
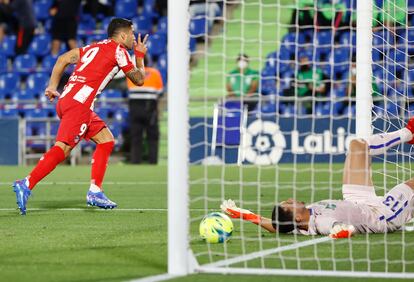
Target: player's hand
{"x":51,"y":94}
{"x":141,"y":46}
{"x":342,"y":231}
{"x":229,"y":207}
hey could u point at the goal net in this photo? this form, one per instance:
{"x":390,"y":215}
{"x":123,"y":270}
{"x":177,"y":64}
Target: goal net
{"x":276,"y":91}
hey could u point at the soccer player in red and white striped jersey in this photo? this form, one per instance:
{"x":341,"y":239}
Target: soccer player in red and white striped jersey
{"x":96,"y":65}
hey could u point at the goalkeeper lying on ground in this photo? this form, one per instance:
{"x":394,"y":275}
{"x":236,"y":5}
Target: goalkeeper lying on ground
{"x":361,"y":210}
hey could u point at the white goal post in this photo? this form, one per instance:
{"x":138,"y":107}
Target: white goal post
{"x":259,"y":187}
{"x":364,"y":68}
{"x":178,"y":186}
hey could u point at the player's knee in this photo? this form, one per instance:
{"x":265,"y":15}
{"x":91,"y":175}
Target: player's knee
{"x":357,"y":145}
{"x":66,"y":148}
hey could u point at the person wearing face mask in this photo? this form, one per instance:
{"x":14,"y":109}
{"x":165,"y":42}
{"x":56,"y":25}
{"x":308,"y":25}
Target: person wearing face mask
{"x":351,"y":89}
{"x":243,"y":81}
{"x":308,"y":83}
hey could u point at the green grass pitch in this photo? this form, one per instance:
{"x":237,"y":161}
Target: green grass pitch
{"x":61,"y":239}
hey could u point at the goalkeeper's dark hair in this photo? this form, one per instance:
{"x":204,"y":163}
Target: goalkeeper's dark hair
{"x":116,"y":25}
{"x":282,"y":220}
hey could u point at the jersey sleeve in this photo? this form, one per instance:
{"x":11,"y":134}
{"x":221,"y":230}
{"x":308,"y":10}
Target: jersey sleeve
{"x":123,"y":59}
{"x":324,"y":224}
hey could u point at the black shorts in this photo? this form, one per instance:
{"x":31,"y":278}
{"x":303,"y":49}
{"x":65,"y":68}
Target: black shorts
{"x":64,"y":29}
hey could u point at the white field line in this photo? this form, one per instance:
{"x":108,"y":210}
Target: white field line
{"x":88,"y":183}
{"x":156,"y":278}
{"x":88,"y":209}
{"x":259,"y":254}
{"x":165,"y":182}
{"x":302,"y":272}
{"x":96,"y":209}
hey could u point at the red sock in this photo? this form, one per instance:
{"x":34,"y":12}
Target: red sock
{"x":46,"y":164}
{"x":100,"y":161}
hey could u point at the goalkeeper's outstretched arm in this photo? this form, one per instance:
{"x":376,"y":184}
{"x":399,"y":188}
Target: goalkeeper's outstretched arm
{"x":266,"y":223}
{"x":229,"y":207}
{"x":338,"y":230}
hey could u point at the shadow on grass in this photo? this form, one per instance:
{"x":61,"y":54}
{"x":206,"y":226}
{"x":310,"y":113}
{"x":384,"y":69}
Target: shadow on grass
{"x":63,"y":204}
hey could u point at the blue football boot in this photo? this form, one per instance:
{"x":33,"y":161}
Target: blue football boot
{"x":100,"y":200}
{"x":22,"y":194}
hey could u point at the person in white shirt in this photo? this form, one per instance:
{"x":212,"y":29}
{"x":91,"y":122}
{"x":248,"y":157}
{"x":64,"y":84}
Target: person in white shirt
{"x":360,"y":211}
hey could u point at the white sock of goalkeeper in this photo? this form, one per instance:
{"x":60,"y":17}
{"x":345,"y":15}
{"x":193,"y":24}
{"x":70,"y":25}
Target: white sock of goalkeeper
{"x":380,"y":143}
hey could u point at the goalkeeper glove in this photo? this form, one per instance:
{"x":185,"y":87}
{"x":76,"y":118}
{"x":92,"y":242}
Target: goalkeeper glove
{"x":342,"y":231}
{"x":229,"y":207}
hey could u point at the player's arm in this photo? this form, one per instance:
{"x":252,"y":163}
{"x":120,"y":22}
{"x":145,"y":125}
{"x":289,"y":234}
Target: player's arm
{"x":70,"y":57}
{"x":229,"y":207}
{"x":137,"y":74}
{"x":253,"y":88}
{"x":230,"y":92}
{"x":266,"y":223}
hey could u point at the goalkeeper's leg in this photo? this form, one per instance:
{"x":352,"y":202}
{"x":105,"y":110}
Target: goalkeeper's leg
{"x":357,"y":170}
{"x":380,"y":143}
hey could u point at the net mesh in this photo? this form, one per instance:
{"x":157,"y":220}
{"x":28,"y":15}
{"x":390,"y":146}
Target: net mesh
{"x":280,"y":129}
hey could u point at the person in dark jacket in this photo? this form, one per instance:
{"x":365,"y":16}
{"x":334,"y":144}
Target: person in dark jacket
{"x":143,"y":111}
{"x":65,"y":23}
{"x":23,"y":11}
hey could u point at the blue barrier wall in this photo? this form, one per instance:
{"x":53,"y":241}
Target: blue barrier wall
{"x":9,"y":141}
{"x":272,"y":140}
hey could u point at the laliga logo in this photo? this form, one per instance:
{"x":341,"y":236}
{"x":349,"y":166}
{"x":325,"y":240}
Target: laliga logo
{"x":264,"y":143}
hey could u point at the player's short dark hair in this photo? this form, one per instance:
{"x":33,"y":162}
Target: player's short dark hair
{"x":242,"y":56}
{"x":116,"y":25}
{"x":282,"y":220}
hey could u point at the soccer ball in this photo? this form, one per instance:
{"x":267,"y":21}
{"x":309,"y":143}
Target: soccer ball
{"x":216,"y":227}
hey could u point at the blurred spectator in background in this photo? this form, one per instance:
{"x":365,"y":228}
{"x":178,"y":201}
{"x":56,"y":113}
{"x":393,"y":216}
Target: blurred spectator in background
{"x":65,"y":15}
{"x":243,"y":81}
{"x":98,"y":8}
{"x":161,"y":7}
{"x":393,"y":13}
{"x":308,"y":83}
{"x":3,"y":28}
{"x":143,"y":115}
{"x":209,"y":8}
{"x":6,"y":17}
{"x":351,"y":89}
{"x":331,"y":13}
{"x":26,"y":21}
{"x":303,"y":15}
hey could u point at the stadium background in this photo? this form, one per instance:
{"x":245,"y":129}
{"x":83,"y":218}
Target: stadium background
{"x":61,"y":241}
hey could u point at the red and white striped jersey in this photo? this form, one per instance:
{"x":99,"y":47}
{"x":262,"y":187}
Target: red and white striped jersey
{"x":98,"y":64}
